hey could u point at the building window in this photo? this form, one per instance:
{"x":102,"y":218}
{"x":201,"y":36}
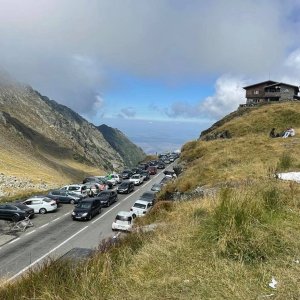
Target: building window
{"x":256,"y":92}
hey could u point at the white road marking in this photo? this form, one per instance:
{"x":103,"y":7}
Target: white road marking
{"x":44,"y":225}
{"x":55,"y":219}
{"x":14,"y":240}
{"x":45,"y":255}
{"x":30,"y":232}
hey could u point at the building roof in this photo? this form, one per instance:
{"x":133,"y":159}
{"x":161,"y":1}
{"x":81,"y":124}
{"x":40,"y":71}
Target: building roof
{"x":281,"y":83}
{"x":268,"y":82}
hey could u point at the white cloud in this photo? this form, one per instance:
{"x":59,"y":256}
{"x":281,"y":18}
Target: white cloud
{"x":229,"y":93}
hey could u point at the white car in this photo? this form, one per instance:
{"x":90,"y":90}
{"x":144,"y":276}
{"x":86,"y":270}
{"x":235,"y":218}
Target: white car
{"x":79,"y":189}
{"x":41,"y":205}
{"x":123,"y":221}
{"x":137,"y":179}
{"x":116,"y":177}
{"x":140,"y":208}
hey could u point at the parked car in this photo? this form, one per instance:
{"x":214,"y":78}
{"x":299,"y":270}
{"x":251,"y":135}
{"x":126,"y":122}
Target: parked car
{"x":143,"y":166}
{"x":161,"y":165}
{"x":116,"y":177}
{"x":137,"y":179}
{"x":93,"y":187}
{"x":156,"y":187}
{"x":64,"y":196}
{"x":166,"y":179}
{"x":107,"y":198}
{"x":152,"y":170}
{"x":126,"y":174}
{"x":140,"y":208}
{"x":75,"y":188}
{"x":86,"y":209}
{"x":123,"y":221}
{"x":41,"y":205}
{"x":146,"y":175}
{"x":149,"y":196}
{"x":15,"y":211}
{"x":125,"y":187}
{"x":100,"y":180}
{"x":110,"y":178}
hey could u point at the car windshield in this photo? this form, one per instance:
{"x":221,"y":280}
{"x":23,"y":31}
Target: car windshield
{"x":103,"y":195}
{"x":47,"y":200}
{"x":74,"y":188}
{"x":123,"y":218}
{"x":139,"y":205}
{"x":84,"y":205}
{"x":123,"y":185}
{"x":136,"y":176}
{"x":147,"y":195}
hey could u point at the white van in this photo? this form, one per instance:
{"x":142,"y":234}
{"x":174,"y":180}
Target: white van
{"x":140,"y":208}
{"x":123,"y":221}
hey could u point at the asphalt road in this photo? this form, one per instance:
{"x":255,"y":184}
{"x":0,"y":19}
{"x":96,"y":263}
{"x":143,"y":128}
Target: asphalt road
{"x":54,"y":234}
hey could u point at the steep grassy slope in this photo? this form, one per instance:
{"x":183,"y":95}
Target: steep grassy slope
{"x":130,"y":153}
{"x":42,"y":140}
{"x":227,"y":246}
{"x":249,"y":155}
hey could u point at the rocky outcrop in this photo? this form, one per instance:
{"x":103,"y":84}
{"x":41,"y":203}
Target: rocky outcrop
{"x":10,"y":184}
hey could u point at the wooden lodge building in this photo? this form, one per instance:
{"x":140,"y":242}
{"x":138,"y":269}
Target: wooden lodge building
{"x":270,"y":91}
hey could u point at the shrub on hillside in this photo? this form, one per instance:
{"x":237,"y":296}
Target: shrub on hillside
{"x":241,"y":226}
{"x":285,"y":162}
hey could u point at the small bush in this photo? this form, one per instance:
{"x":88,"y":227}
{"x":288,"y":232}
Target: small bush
{"x":272,"y":198}
{"x":285,"y":162}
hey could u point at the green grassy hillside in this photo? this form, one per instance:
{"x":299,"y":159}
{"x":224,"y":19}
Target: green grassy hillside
{"x":225,"y":246}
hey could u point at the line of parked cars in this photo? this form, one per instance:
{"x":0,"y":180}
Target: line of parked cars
{"x":124,"y":220}
{"x":89,"y":197}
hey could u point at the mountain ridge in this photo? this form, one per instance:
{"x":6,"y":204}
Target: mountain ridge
{"x":50,"y":141}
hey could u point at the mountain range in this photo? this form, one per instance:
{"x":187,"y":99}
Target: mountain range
{"x":42,"y":140}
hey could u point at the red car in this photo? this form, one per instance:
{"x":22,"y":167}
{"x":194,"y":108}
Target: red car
{"x":152,"y":170}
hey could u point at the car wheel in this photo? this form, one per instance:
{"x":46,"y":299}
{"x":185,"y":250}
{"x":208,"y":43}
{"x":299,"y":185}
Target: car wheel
{"x":89,"y":217}
{"x":108,"y":204}
{"x":42,"y":211}
{"x":15,"y":218}
{"x":72,"y":201}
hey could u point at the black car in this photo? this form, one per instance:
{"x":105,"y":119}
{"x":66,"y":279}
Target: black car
{"x":156,"y":187}
{"x":137,"y":170}
{"x":65,"y":197}
{"x":126,"y":174}
{"x":161,"y":165}
{"x":149,"y":196}
{"x":146,"y":175}
{"x":15,"y":212}
{"x":86,"y":209}
{"x":125,"y":187}
{"x":107,"y":198}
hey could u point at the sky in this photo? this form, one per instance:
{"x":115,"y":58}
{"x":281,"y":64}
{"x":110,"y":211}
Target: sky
{"x":161,"y":71}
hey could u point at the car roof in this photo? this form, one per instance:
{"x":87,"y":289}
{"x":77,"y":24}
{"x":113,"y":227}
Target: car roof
{"x":88,"y":200}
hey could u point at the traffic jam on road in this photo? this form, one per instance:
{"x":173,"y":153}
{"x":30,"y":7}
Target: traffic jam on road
{"x":96,"y":193}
